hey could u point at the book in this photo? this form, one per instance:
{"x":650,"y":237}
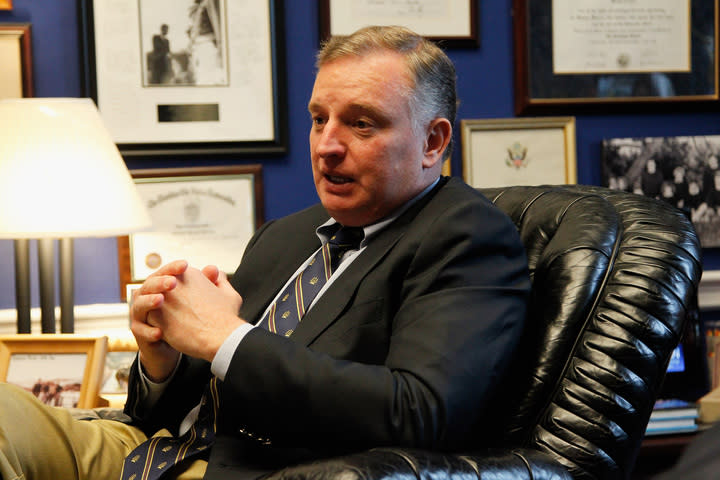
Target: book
{"x":672,"y":409}
{"x":673,"y":416}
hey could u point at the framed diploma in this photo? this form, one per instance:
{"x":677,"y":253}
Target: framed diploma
{"x":518,"y":151}
{"x":610,"y":55}
{"x":452,"y":22}
{"x":176,"y":77}
{"x":205,"y":215}
{"x":16,"y":58}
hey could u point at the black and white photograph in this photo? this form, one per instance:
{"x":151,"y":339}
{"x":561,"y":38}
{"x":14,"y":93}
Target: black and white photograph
{"x":183,"y":42}
{"x":683,"y":171}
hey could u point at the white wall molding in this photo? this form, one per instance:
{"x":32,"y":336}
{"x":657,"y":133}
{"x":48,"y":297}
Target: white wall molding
{"x":101,"y":318}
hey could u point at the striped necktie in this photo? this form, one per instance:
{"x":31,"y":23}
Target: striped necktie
{"x":295,"y":300}
{"x":157,"y":455}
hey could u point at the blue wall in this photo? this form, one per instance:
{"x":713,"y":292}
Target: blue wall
{"x":485,"y":84}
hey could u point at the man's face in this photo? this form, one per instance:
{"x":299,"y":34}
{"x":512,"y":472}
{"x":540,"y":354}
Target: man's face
{"x":367,"y":158}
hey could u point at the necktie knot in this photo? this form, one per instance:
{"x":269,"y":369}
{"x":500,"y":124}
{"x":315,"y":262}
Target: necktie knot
{"x":347,"y":238}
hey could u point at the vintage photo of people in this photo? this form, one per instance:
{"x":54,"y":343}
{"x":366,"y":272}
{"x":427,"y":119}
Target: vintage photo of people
{"x":54,"y":378}
{"x":683,"y":171}
{"x":183,"y":42}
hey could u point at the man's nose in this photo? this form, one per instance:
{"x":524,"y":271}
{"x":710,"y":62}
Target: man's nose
{"x":331,"y":142}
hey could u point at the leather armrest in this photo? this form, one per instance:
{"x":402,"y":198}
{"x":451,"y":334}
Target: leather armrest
{"x":394,"y":463}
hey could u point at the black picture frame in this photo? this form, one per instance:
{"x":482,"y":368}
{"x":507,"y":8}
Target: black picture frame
{"x":449,"y":38}
{"x":274,"y":142}
{"x":538,"y":90}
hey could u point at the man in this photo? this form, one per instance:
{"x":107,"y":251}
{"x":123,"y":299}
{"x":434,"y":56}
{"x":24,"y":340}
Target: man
{"x":409,"y":341}
{"x":159,"y":61}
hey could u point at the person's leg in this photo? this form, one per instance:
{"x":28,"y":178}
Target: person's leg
{"x":38,"y":442}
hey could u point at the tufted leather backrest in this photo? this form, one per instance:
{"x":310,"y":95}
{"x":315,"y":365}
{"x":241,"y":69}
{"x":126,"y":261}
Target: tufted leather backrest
{"x":615,"y":277}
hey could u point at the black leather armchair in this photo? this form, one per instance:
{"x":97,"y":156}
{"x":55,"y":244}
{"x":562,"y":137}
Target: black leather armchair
{"x":615,"y":278}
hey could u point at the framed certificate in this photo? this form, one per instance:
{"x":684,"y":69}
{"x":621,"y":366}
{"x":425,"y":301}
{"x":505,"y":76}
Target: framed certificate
{"x":452,"y":22}
{"x":518,"y":151}
{"x":205,"y":215}
{"x":606,"y":55}
{"x":187,"y":77}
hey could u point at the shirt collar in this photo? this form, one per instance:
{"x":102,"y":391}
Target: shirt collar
{"x":374,"y":228}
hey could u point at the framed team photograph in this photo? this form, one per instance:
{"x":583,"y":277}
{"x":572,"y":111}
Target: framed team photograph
{"x":454,"y":23}
{"x":205,"y":215}
{"x":178,"y":77}
{"x":683,"y":171}
{"x":59,"y":369}
{"x":504,"y":152}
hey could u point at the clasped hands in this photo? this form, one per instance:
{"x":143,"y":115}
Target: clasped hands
{"x":180,"y":309}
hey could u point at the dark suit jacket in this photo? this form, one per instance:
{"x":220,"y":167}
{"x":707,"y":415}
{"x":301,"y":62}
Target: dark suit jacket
{"x":409,"y":346}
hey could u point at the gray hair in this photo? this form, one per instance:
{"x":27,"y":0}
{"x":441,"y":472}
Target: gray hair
{"x":433,"y":93}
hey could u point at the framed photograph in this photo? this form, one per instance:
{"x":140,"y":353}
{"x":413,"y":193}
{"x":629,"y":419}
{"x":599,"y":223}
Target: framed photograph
{"x":122,"y":351}
{"x":205,"y":215}
{"x":602,"y":55}
{"x":451,"y":22}
{"x":684,"y":171}
{"x":61,"y":370}
{"x":177,"y":77}
{"x":5,"y":4}
{"x":16,"y":79}
{"x":518,"y":151}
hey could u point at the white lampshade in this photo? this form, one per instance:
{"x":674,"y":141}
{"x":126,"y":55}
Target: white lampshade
{"x":61,"y":174}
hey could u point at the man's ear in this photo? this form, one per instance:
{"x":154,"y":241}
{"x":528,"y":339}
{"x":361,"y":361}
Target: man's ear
{"x":437,"y":139}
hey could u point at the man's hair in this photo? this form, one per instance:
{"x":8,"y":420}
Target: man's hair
{"x":433,"y":93}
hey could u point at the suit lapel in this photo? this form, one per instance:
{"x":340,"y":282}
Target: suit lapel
{"x":337,"y":297}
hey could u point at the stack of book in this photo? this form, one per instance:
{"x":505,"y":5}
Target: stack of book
{"x":673,"y":416}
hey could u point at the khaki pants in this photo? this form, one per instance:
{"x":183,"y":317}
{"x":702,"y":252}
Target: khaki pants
{"x":38,"y":442}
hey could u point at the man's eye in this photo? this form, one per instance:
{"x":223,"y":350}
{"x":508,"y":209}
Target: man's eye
{"x":362,"y":124}
{"x":318,"y":120}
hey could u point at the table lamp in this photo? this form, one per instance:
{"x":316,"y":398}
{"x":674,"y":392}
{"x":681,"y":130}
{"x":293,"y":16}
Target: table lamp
{"x":61,"y":176}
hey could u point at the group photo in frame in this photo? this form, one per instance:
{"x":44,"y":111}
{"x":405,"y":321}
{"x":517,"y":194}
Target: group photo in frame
{"x":504,"y":152}
{"x":683,"y":171}
{"x":454,"y":23}
{"x":600,"y":55}
{"x":205,"y":215}
{"x":16,"y":79}
{"x":180,"y":76}
{"x":60,"y":370}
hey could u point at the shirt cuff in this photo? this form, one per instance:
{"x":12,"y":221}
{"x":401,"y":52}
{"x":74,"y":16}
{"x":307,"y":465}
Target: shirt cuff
{"x":224,"y":355}
{"x":152,"y":391}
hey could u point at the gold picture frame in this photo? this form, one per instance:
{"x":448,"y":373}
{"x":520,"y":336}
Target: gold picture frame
{"x":16,"y":80}
{"x":518,"y":151}
{"x":60,"y":369}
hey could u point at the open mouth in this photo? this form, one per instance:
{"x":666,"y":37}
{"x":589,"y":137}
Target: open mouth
{"x":337,"y":180}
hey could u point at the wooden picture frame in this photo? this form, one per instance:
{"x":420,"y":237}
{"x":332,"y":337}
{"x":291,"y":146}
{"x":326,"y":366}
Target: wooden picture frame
{"x":16,"y":76}
{"x":177,"y":199}
{"x":456,"y":26}
{"x":168,"y":83}
{"x":518,"y":151}
{"x":598,"y":56}
{"x":60,"y":369}
{"x":6,"y":5}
